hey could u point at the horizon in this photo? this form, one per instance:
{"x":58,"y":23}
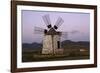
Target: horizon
{"x":61,"y":41}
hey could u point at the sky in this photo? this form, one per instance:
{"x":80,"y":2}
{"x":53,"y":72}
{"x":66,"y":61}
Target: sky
{"x":73,"y":21}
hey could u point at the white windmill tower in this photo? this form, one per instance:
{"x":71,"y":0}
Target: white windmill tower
{"x":52,"y":37}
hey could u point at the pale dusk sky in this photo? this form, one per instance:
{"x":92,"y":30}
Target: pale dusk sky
{"x":72,"y":21}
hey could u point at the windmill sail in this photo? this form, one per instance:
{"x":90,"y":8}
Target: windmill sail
{"x":38,"y":30}
{"x":58,"y":22}
{"x":65,"y":34}
{"x":47,"y":21}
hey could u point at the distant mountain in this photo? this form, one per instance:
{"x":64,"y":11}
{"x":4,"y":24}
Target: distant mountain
{"x":71,"y":44}
{"x":31,"y":47}
{"x":65,"y":44}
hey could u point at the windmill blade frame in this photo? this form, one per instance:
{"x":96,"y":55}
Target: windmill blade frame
{"x":38,"y":30}
{"x":47,"y":21}
{"x":58,"y":23}
{"x":65,"y":34}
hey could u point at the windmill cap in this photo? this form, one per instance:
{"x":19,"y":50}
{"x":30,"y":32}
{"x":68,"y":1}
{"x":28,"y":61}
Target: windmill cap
{"x":52,"y":31}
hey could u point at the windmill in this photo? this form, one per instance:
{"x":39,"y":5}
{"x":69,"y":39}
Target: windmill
{"x":52,"y":37}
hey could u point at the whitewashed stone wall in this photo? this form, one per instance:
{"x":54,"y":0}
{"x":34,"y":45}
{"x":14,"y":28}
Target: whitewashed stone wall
{"x":56,"y":38}
{"x":47,"y":45}
{"x":50,"y":45}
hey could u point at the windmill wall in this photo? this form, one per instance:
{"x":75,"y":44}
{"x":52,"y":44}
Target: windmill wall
{"x":50,"y":44}
{"x":56,"y":39}
{"x":47,"y":45}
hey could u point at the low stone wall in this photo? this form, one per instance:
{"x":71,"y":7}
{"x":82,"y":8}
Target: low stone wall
{"x":59,"y":51}
{"x":48,"y":56}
